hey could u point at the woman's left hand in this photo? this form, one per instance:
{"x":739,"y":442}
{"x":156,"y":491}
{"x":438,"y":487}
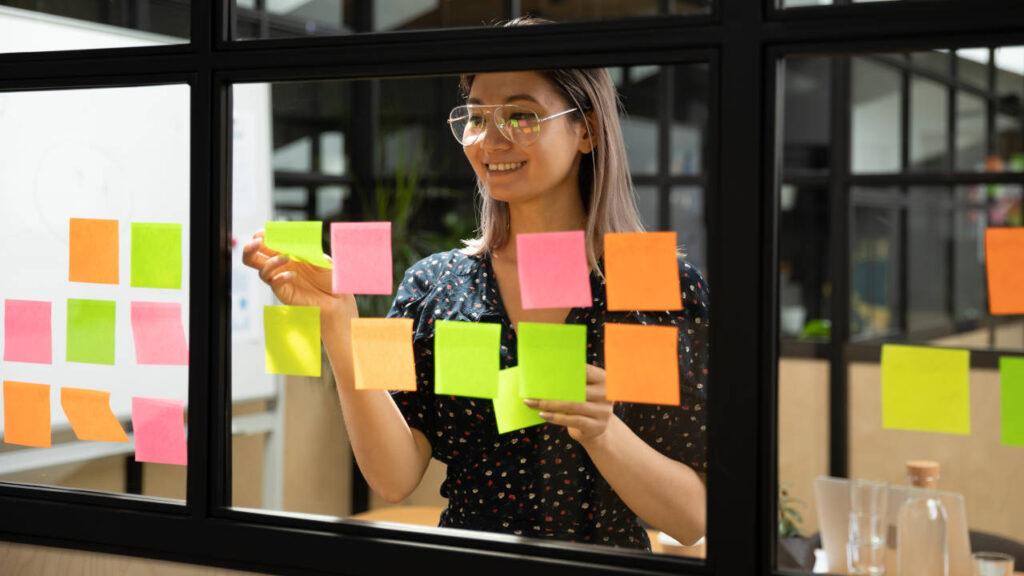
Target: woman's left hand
{"x":585,"y":421}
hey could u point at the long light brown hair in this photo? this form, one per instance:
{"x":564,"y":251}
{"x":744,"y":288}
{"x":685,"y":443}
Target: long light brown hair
{"x":604,"y":182}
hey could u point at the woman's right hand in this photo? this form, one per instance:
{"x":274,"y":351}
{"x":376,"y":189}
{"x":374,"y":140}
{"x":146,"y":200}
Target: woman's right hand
{"x":294,"y":283}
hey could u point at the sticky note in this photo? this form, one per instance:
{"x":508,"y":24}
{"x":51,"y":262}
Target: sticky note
{"x":159,"y":334}
{"x":27,"y":414}
{"x":382,"y":354}
{"x":93,"y":251}
{"x":156,"y":255}
{"x":509,"y":411}
{"x":926,"y":389}
{"x":553,"y":361}
{"x":1011,"y":391}
{"x":642,"y":271}
{"x":159,"y":429}
{"x":90,"y":415}
{"x":466,"y":358}
{"x":91,"y":331}
{"x":301,"y":241}
{"x":641,"y":363}
{"x":27,"y":333}
{"x":362,"y":258}
{"x":292,"y":336}
{"x":1004,"y":266}
{"x":553,"y":271}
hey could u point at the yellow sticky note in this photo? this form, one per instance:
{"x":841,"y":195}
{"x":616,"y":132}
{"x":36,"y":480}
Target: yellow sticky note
{"x":292,"y":335}
{"x":27,"y":414}
{"x":382,"y":354}
{"x":90,"y":416}
{"x":299,"y":240}
{"x":926,"y":389}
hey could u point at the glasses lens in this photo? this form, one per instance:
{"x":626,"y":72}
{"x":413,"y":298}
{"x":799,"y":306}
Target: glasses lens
{"x":467,"y":124}
{"x":520,"y":125}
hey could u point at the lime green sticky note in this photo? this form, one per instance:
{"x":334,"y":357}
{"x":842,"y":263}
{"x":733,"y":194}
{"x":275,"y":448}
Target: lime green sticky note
{"x":466,"y":358}
{"x":90,"y":329}
{"x":301,"y":241}
{"x":156,"y":255}
{"x":292,"y":335}
{"x":509,"y":410}
{"x":1011,"y":390}
{"x":553,"y":359}
{"x":926,"y":389}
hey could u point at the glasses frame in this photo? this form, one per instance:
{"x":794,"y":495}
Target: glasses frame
{"x":494,"y":119}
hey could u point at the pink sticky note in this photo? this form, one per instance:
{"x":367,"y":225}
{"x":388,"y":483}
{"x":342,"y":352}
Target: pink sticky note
{"x":159,"y":428}
{"x":362,"y":257}
{"x":553,"y":270}
{"x":159,"y":334}
{"x":27,"y":332}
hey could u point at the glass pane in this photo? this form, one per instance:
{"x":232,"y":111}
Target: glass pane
{"x":690,"y":115}
{"x":94,"y":188}
{"x":875,"y":307}
{"x":1009,"y":87}
{"x":932,"y":63}
{"x":405,"y":167}
{"x":929,"y":256}
{"x":807,"y":116}
{"x":969,"y":289}
{"x":928,"y":125}
{"x":971,"y":139}
{"x":804,"y":272}
{"x":639,"y":88}
{"x":877,"y":99}
{"x":40,"y":25}
{"x":972,"y":66}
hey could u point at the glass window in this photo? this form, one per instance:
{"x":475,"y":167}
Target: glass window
{"x":807,"y":116}
{"x":875,"y":305}
{"x":972,"y":66}
{"x":876,"y":100}
{"x":40,"y":25}
{"x":690,"y":118}
{"x":94,"y":199}
{"x":929,"y":257}
{"x":928,"y":125}
{"x":405,"y":167}
{"x":971,"y":132}
{"x":804,"y":273}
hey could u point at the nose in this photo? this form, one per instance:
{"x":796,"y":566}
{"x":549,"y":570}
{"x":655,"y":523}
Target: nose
{"x":492,"y":138}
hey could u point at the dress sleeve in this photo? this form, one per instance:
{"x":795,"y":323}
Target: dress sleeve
{"x":680,"y":432}
{"x":416,"y":285}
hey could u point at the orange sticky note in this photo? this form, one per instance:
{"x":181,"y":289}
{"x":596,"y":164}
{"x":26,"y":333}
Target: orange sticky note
{"x":27,"y":414}
{"x":382,"y":354}
{"x":93,"y":251}
{"x":1004,"y":264}
{"x":90,"y":415}
{"x":641,"y":363}
{"x":642,"y":271}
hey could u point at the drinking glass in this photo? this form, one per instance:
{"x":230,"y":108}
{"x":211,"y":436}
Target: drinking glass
{"x":865,"y":545}
{"x":992,"y":564}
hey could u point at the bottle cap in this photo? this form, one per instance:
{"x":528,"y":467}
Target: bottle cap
{"x":923,"y":473}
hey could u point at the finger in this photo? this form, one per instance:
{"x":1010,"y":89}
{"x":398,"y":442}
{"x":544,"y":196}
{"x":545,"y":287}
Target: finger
{"x":272,"y":267}
{"x":595,"y":374}
{"x":255,"y":253}
{"x":281,"y":279}
{"x":574,"y":408}
{"x":596,"y":393}
{"x":570,"y":420}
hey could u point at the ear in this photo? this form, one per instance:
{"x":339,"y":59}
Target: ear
{"x":590,"y":133}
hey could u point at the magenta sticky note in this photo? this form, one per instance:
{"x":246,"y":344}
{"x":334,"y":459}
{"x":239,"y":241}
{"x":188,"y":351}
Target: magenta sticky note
{"x":362,"y":257}
{"x":27,"y":332}
{"x":159,"y":429}
{"x":159,"y":334}
{"x":553,"y":270}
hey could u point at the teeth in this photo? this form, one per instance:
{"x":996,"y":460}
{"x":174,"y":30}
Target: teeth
{"x":504,"y":166}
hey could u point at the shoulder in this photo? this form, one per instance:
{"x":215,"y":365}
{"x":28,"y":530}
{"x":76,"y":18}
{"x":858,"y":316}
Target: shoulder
{"x":694,"y":290}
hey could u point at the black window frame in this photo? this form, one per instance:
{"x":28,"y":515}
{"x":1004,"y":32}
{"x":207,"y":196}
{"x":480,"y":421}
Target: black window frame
{"x":743,"y":42}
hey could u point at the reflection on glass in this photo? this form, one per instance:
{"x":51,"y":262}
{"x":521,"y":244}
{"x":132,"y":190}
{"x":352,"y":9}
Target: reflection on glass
{"x":807,"y":115}
{"x":876,"y":99}
{"x":39,"y":26}
{"x":928,"y":125}
{"x":804,"y":284}
{"x":403,"y":166}
{"x":71,"y":157}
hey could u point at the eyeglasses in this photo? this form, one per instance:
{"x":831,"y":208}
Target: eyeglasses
{"x":517,"y":124}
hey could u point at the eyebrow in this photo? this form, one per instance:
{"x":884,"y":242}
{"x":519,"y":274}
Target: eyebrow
{"x":509,"y":99}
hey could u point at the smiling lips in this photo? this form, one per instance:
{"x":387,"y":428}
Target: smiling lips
{"x":504,"y":166}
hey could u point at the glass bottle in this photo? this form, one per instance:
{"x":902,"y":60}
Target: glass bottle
{"x":923,"y":547}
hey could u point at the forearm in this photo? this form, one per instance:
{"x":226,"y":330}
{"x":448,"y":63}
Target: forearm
{"x":668,"y":494}
{"x":389,"y":454}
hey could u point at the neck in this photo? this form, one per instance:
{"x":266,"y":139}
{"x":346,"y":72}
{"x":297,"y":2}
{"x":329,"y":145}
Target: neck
{"x":545,"y":213}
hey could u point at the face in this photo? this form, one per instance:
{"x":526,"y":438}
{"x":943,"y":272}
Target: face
{"x":549,"y":166}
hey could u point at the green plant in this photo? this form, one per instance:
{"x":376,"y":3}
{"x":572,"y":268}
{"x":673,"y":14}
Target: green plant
{"x":789,"y":516}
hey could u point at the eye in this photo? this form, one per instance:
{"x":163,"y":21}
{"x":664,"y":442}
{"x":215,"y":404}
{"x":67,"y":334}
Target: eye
{"x":475,"y":120}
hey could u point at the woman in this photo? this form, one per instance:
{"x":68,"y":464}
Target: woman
{"x":595,"y":466}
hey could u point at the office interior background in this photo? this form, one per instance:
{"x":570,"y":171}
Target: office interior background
{"x":881,"y":161}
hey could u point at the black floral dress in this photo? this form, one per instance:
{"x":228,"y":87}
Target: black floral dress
{"x":538,"y":481}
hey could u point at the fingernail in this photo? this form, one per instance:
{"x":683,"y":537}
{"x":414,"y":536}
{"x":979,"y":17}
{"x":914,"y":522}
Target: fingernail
{"x":289,"y":275}
{"x":530,"y":402}
{"x":544,"y":415}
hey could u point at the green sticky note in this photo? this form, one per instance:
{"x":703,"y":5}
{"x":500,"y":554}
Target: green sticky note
{"x":156,"y":255}
{"x":301,"y":241}
{"x":466,"y":358}
{"x":509,"y":410}
{"x":90,"y":327}
{"x":926,"y":389}
{"x":292,"y":335}
{"x":553,"y":359}
{"x":1011,"y":390}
